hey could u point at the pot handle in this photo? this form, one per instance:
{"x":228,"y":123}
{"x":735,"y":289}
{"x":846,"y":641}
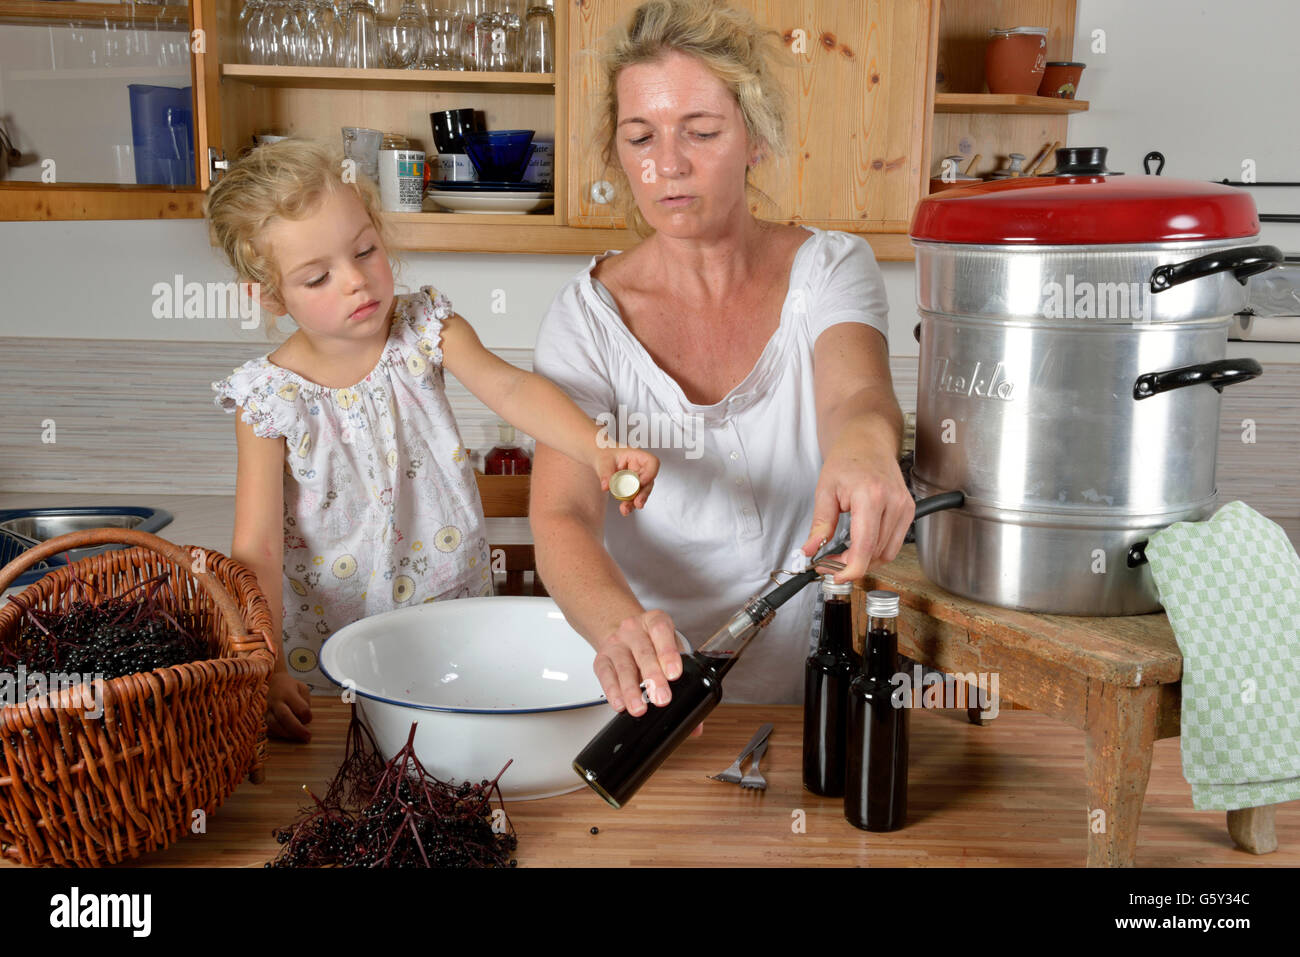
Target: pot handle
{"x":936,"y":503}
{"x":1244,"y":261}
{"x":1137,"y":554}
{"x":1222,"y":373}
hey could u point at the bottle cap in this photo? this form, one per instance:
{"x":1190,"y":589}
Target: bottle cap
{"x":882,"y":604}
{"x":506,"y":433}
{"x":624,"y":484}
{"x":829,"y":586}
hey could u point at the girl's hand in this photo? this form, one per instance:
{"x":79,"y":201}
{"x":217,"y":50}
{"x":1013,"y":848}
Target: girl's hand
{"x":288,"y":708}
{"x":868,"y":484}
{"x":644,"y":464}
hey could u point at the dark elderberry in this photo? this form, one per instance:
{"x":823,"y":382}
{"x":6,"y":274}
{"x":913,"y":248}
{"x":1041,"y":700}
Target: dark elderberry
{"x":397,"y":815}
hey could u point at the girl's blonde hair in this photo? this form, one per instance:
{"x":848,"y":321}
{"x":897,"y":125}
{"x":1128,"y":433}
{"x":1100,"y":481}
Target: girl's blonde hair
{"x":728,"y":41}
{"x":284,"y":180}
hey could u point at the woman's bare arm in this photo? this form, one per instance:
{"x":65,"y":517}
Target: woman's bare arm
{"x":567,"y":515}
{"x":859,"y":427}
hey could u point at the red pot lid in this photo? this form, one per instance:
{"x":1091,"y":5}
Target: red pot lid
{"x":1085,"y":209}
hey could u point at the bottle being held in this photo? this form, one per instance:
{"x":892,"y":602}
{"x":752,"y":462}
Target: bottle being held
{"x":507,"y":458}
{"x":828,"y":672}
{"x":875,"y":784}
{"x":619,"y":759}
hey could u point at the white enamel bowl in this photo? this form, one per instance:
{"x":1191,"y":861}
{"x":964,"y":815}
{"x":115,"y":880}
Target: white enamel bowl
{"x":486,"y":679}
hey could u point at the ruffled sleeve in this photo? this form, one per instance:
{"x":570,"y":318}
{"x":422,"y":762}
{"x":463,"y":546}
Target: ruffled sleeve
{"x":419,"y":325}
{"x":267,"y":394}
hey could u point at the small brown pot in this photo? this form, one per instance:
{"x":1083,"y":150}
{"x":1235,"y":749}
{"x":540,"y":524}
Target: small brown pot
{"x":1014,"y":60}
{"x":1061,"y":80}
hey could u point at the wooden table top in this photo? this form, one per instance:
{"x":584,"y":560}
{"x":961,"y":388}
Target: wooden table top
{"x":1131,"y":650}
{"x":679,"y":818}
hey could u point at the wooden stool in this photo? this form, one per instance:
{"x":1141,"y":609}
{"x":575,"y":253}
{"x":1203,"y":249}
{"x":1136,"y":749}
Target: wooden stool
{"x":1116,"y":679}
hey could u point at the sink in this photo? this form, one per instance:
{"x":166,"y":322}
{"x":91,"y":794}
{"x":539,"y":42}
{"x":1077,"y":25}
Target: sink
{"x":23,"y":528}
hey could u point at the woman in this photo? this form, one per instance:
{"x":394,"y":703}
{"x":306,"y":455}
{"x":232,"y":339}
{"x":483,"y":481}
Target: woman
{"x":754,"y":353}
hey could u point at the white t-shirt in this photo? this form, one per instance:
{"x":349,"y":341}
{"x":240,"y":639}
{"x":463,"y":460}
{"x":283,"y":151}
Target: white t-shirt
{"x":734,"y":498}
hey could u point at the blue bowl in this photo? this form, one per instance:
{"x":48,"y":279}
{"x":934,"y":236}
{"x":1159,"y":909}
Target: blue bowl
{"x":500,"y":155}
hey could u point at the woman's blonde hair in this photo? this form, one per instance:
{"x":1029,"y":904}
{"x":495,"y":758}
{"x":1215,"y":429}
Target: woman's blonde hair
{"x":728,"y":41}
{"x":284,"y":180}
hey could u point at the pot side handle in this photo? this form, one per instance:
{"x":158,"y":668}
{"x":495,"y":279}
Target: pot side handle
{"x":1224,"y":372}
{"x":1243,"y":261}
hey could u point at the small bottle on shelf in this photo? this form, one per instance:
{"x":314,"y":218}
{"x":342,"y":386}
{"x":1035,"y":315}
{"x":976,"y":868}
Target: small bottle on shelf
{"x":828,"y":671}
{"x":507,"y":458}
{"x":875,"y":783}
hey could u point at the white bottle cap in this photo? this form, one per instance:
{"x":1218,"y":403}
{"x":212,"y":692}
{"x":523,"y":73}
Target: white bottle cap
{"x":882,"y":604}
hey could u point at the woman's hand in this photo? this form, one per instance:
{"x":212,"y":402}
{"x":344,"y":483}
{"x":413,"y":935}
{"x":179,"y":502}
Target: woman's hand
{"x":288,"y":708}
{"x":644,"y":464}
{"x":642,"y":650}
{"x":867,"y":483}
{"x":641,"y":653}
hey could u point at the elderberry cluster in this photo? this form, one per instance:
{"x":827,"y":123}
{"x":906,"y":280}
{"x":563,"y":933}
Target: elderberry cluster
{"x":409,"y":818}
{"x":113,"y":637}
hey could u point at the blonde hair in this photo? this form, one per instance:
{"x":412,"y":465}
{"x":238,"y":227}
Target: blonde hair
{"x":285,"y":180}
{"x":733,"y":47}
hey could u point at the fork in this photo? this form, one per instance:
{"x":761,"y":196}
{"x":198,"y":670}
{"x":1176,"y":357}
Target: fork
{"x":732,"y":774}
{"x":754,"y":780}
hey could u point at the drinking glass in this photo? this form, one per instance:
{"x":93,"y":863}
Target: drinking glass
{"x":331,"y":30}
{"x":443,"y":40}
{"x":539,"y":41}
{"x":361,"y":42}
{"x":312,"y":50}
{"x":248,"y":18}
{"x":494,"y":37}
{"x":275,"y":35}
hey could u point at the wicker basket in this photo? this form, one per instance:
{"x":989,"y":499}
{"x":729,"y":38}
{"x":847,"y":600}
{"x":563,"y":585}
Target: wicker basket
{"x":85,"y":791}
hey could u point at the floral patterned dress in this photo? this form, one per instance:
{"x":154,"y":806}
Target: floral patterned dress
{"x":381,"y":509}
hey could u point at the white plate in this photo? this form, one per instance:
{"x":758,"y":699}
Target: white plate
{"x":458,"y":202}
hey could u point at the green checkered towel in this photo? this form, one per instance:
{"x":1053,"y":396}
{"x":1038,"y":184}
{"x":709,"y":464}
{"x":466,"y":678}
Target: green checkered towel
{"x":1231,"y":588}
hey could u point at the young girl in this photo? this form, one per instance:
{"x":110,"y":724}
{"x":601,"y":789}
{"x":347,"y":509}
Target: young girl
{"x":353,"y":493}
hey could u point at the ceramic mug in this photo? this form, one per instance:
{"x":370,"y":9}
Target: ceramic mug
{"x":1061,"y":80}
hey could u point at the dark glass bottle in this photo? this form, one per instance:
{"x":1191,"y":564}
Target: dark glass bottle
{"x":827,"y":674}
{"x":507,"y":458}
{"x":619,"y":759}
{"x":875,"y":783}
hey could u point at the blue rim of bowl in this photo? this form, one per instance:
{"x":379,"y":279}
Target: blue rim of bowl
{"x":434,"y":707}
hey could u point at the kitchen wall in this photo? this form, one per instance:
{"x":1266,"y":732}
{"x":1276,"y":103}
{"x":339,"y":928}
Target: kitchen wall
{"x":1207,"y":83}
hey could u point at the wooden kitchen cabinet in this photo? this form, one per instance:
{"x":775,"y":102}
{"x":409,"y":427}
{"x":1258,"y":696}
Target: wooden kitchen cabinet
{"x":857,"y":80}
{"x":862,"y":118}
{"x":64,"y":75}
{"x":969,"y":122}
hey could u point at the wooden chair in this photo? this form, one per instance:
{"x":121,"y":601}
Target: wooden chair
{"x":506,"y":496}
